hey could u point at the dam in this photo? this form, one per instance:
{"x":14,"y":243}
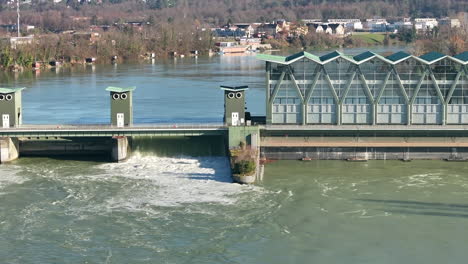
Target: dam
{"x":334,"y":106}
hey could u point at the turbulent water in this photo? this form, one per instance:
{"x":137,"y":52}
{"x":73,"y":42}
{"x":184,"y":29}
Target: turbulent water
{"x":173,"y":201}
{"x":153,"y":209}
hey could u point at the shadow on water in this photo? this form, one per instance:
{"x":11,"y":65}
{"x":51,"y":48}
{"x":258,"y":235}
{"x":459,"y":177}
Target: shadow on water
{"x":204,"y":146}
{"x":422,"y":208}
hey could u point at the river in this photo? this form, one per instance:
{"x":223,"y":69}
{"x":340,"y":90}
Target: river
{"x":173,"y":203}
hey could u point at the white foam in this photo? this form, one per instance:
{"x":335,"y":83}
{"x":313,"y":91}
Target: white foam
{"x":159,"y":181}
{"x":10,"y":175}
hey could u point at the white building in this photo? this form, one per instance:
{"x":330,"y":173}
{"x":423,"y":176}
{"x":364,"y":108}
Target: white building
{"x":425,"y":23}
{"x":405,"y":23}
{"x":377,"y":24}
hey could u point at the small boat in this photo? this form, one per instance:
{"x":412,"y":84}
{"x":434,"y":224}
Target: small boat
{"x":306,"y":159}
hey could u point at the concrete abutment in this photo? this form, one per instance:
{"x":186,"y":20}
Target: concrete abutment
{"x":9,"y":149}
{"x":120,"y":149}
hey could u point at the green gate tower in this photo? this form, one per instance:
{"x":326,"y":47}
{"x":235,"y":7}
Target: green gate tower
{"x":121,"y":106}
{"x":234,"y":105}
{"x":10,"y":107}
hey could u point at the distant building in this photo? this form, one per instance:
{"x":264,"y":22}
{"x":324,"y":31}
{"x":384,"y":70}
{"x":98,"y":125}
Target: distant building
{"x":248,"y":28}
{"x":229,"y":31}
{"x":311,"y":21}
{"x":89,"y":36}
{"x":451,"y":22}
{"x":376,"y":25}
{"x":424,"y":24}
{"x":329,"y":28}
{"x":265,"y":30}
{"x":18,"y":41}
{"x":405,"y":23}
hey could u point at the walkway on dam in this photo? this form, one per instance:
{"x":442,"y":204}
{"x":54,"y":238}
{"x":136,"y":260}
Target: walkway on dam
{"x":113,"y":131}
{"x":218,"y":129}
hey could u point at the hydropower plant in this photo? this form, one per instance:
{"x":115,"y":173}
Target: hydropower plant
{"x":329,"y":107}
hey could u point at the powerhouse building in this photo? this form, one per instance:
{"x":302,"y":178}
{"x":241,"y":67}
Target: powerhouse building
{"x":368,"y":88}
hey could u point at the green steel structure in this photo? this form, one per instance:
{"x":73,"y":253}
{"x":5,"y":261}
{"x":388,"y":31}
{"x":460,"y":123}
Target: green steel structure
{"x":10,"y":107}
{"x":121,"y":106}
{"x":367,"y":89}
{"x":234,"y":105}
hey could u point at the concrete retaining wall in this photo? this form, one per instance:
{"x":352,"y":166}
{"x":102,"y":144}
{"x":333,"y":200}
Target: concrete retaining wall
{"x":9,"y":149}
{"x":383,"y":153}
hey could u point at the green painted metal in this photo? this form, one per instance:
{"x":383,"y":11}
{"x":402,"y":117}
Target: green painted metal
{"x":296,"y":86}
{"x":400,"y":84}
{"x":271,"y":58}
{"x":267,"y":92}
{"x":120,"y":89}
{"x":11,"y":105}
{"x":418,"y":86}
{"x":330,"y":86}
{"x":363,"y":56}
{"x":277,"y":87}
{"x":316,"y":77}
{"x":329,"y":56}
{"x":436,"y":85}
{"x":392,"y":59}
{"x":44,"y":133}
{"x":381,"y":91}
{"x":233,"y":103}
{"x":398,"y":56}
{"x":452,"y":88}
{"x":312,"y":57}
{"x":122,"y":106}
{"x":299,"y":92}
{"x":363,"y":80}
{"x":6,"y":90}
{"x":239,"y":134}
{"x":317,"y":73}
{"x":432,"y":56}
{"x":348,"y":86}
{"x":462,"y":56}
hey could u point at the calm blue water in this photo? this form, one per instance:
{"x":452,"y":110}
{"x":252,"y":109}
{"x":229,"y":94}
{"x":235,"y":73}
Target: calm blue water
{"x":174,"y":91}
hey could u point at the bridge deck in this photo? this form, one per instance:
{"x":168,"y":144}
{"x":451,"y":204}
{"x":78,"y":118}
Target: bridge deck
{"x":220,"y":129}
{"x":112,"y":131}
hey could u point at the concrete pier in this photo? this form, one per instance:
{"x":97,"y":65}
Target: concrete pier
{"x":245,"y":140}
{"x":9,"y":149}
{"x":119,"y":148}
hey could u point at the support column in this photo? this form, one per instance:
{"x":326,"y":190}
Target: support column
{"x":9,"y":149}
{"x":444,"y":114}
{"x":374,"y":114}
{"x":304,"y":114}
{"x":268,"y":105}
{"x":338,"y":114}
{"x":119,"y":148}
{"x":409,"y":114}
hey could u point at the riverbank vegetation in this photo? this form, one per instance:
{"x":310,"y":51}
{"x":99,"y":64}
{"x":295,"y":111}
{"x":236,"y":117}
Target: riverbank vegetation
{"x":165,"y":27}
{"x":243,"y":161}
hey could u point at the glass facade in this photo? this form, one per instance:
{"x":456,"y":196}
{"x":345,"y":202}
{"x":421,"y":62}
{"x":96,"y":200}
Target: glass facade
{"x":304,"y":89}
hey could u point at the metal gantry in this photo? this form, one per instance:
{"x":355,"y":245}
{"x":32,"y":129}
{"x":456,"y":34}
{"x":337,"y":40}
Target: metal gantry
{"x":367,"y":89}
